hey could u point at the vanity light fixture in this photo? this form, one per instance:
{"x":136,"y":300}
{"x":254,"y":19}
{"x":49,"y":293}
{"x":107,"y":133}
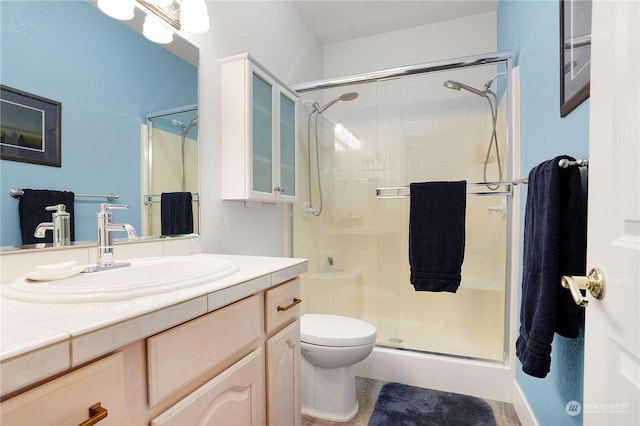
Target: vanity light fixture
{"x":118,"y":9}
{"x":161,"y":3}
{"x":194,"y":17}
{"x":188,"y":15}
{"x":156,"y":30}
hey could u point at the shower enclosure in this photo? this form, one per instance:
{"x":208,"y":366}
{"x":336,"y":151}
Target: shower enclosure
{"x":170,"y":148}
{"x":406,"y":125}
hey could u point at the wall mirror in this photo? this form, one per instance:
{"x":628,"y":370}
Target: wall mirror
{"x":108,"y":79}
{"x":575,"y":53}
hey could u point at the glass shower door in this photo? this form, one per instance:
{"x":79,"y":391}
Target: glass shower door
{"x":408,"y":129}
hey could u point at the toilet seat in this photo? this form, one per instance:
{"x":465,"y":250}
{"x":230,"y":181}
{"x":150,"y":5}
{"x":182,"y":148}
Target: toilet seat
{"x":335,"y":330}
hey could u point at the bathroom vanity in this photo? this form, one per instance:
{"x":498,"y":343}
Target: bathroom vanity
{"x":225,"y":352}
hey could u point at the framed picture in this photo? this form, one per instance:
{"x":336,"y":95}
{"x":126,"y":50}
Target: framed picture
{"x":29,"y":128}
{"x":575,"y":53}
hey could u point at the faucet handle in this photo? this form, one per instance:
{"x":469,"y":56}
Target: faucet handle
{"x":57,"y":207}
{"x":104,"y":207}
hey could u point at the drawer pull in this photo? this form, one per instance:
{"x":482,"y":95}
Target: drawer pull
{"x":96,"y":413}
{"x":295,"y":302}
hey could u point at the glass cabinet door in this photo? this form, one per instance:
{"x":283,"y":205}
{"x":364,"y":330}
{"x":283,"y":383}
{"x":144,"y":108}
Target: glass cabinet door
{"x":287,"y":145}
{"x":262,"y":133}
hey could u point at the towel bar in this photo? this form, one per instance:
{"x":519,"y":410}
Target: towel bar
{"x":148,"y":198}
{"x":19,"y":192}
{"x":402,"y":191}
{"x":564,"y":163}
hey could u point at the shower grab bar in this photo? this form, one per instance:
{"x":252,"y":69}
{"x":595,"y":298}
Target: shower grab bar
{"x":403,"y":191}
{"x":19,"y":192}
{"x":148,"y":198}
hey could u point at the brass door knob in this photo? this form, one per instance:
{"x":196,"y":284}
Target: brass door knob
{"x":594,"y":282}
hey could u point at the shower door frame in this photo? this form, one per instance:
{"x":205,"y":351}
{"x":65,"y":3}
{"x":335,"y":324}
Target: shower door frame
{"x":505,"y":57}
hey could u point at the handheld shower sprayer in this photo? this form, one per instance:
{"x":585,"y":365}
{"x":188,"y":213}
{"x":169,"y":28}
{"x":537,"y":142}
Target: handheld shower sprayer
{"x":308,"y":208}
{"x":456,"y":85}
{"x":345,"y":97}
{"x":185,"y":131}
{"x":488,"y":94}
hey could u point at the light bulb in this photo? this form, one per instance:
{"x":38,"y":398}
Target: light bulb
{"x":156,"y":31}
{"x":194,"y":17}
{"x":119,"y":9}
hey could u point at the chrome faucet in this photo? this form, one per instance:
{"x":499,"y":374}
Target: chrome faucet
{"x":60,"y":225}
{"x":105,"y":229}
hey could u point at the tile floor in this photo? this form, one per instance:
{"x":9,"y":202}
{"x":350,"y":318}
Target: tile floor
{"x":368,"y":390}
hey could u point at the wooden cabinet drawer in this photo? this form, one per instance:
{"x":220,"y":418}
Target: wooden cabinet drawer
{"x":183,"y":353}
{"x":66,"y":400}
{"x":234,"y":397}
{"x":282,"y":304}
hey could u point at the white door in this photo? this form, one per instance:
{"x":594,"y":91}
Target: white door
{"x":612,"y":366}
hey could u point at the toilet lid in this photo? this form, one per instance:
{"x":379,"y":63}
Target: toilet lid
{"x":335,"y":330}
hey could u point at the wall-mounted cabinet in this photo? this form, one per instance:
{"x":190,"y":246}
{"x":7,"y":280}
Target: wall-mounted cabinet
{"x":259,"y":134}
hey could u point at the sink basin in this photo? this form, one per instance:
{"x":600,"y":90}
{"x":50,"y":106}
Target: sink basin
{"x":146,"y":276}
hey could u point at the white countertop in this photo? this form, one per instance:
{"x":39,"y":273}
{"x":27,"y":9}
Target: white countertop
{"x":39,"y":340}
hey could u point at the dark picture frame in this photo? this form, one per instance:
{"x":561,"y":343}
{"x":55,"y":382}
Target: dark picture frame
{"x":29,"y":128}
{"x":575,"y":53}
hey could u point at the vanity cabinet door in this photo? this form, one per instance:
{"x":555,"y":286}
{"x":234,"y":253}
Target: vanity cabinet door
{"x":66,"y":400}
{"x":234,"y":397}
{"x":283,"y":377}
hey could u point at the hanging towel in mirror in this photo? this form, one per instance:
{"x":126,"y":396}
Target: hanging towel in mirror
{"x":437,"y":235}
{"x":31,"y":209}
{"x":176,"y":213}
{"x":554,"y":245}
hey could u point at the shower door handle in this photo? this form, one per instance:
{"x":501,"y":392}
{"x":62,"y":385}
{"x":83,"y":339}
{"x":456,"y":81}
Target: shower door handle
{"x":594,"y":282}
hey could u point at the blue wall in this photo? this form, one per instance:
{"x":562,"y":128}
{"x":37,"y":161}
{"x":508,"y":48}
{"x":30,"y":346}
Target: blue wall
{"x":107,"y":77}
{"x":531,"y":30}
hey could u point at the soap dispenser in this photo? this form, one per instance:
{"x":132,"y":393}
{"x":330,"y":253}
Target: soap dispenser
{"x":61,"y":225}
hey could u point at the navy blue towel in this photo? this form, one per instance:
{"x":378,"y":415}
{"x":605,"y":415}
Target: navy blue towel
{"x":554,"y":245}
{"x":176,"y":213}
{"x":437,"y":235}
{"x":31,"y":209}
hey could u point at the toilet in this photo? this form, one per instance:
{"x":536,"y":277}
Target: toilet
{"x":331,"y":345}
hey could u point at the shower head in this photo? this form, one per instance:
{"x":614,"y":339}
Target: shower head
{"x":345,"y":97}
{"x":185,"y":130}
{"x":455,"y":85}
{"x":193,"y":122}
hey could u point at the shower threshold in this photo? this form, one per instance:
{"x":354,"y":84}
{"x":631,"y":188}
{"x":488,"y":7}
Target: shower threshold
{"x":395,"y":341}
